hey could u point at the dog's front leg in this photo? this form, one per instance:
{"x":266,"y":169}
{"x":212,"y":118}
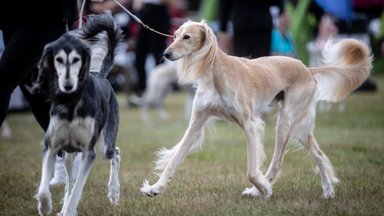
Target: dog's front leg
{"x":254,"y":130}
{"x":192,"y":135}
{"x":68,"y":164}
{"x":43,"y":195}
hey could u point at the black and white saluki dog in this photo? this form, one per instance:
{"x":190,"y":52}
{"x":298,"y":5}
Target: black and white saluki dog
{"x":84,"y":108}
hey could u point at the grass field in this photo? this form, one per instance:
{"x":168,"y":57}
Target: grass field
{"x":210,"y":182}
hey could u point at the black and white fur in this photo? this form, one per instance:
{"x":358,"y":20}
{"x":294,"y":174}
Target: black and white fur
{"x":84,"y":108}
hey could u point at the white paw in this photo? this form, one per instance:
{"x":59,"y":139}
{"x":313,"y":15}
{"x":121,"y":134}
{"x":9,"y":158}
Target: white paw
{"x":329,"y":192}
{"x":114,"y":193}
{"x":68,"y":212}
{"x":149,"y":190}
{"x":251,"y":192}
{"x":267,"y":190}
{"x":45,"y":203}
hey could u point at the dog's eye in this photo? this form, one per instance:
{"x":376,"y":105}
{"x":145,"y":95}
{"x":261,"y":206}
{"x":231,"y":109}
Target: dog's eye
{"x":186,"y":37}
{"x":75,"y":60}
{"x":60,"y":60}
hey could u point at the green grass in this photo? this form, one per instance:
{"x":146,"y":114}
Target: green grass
{"x":210,"y":182}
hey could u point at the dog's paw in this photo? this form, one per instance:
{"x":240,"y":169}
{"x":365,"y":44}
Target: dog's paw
{"x":329,"y":192}
{"x":45,"y":203}
{"x":267,"y":188}
{"x":69,"y":212}
{"x":114,"y":194}
{"x":251,"y":192}
{"x":149,"y":190}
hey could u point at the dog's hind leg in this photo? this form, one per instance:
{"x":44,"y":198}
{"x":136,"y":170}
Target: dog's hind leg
{"x":112,"y":152}
{"x":296,"y":119}
{"x":86,"y":162}
{"x":144,"y":113}
{"x":110,"y":130}
{"x":164,"y":115}
{"x":43,"y":195}
{"x":254,"y":130}
{"x":327,"y":171}
{"x":114,"y":184}
{"x":176,"y":155}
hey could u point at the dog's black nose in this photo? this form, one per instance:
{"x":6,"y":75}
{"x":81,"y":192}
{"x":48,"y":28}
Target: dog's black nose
{"x":167,"y":55}
{"x":68,"y":87}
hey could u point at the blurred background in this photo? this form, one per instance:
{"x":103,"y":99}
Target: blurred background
{"x":210,"y":182}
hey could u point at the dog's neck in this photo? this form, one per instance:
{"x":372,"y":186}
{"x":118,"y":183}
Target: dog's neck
{"x":66,"y":106}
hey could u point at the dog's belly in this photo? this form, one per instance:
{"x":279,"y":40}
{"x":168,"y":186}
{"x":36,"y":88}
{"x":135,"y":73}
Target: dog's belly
{"x":72,"y":135}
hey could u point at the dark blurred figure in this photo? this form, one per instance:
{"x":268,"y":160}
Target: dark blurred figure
{"x":154,"y":13}
{"x":252,"y":26}
{"x":24,"y":39}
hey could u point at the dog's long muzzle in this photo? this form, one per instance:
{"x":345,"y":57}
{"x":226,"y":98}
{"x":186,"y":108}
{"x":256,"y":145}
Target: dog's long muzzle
{"x":167,"y":54}
{"x":67,"y":86}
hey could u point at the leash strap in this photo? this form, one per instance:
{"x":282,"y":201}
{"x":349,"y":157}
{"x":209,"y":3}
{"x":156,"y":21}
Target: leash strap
{"x":81,"y":14}
{"x":141,"y":22}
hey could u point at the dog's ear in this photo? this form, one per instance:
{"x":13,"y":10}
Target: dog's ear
{"x":86,"y":63}
{"x":208,"y":35}
{"x":46,"y":61}
{"x":39,"y":79}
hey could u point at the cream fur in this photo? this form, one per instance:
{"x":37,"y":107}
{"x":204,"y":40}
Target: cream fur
{"x":240,"y":89}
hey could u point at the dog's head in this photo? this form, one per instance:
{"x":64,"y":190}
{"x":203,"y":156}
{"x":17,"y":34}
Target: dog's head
{"x":65,"y":63}
{"x":190,"y":38}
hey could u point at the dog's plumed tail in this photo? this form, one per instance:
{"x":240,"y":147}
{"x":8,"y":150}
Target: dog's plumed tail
{"x":348,"y":65}
{"x":94,"y":26}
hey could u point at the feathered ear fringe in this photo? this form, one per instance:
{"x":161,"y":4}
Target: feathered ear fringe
{"x":210,"y":44}
{"x":39,"y":81}
{"x":86,"y":64}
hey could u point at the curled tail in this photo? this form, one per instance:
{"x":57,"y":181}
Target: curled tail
{"x":348,"y":63}
{"x":105,"y":35}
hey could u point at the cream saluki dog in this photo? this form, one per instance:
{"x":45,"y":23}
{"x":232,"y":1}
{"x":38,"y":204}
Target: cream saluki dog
{"x":239,"y":89}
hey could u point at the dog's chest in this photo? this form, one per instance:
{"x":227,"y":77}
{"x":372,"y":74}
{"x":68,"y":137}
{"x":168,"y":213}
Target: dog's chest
{"x":75,"y":134}
{"x":222,"y":105}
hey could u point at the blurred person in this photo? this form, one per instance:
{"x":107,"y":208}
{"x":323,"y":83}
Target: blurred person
{"x":327,"y":30}
{"x":251,"y":23}
{"x":154,"y":13}
{"x":101,"y":6}
{"x":282,"y":41}
{"x":24,"y":41}
{"x":245,"y":28}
